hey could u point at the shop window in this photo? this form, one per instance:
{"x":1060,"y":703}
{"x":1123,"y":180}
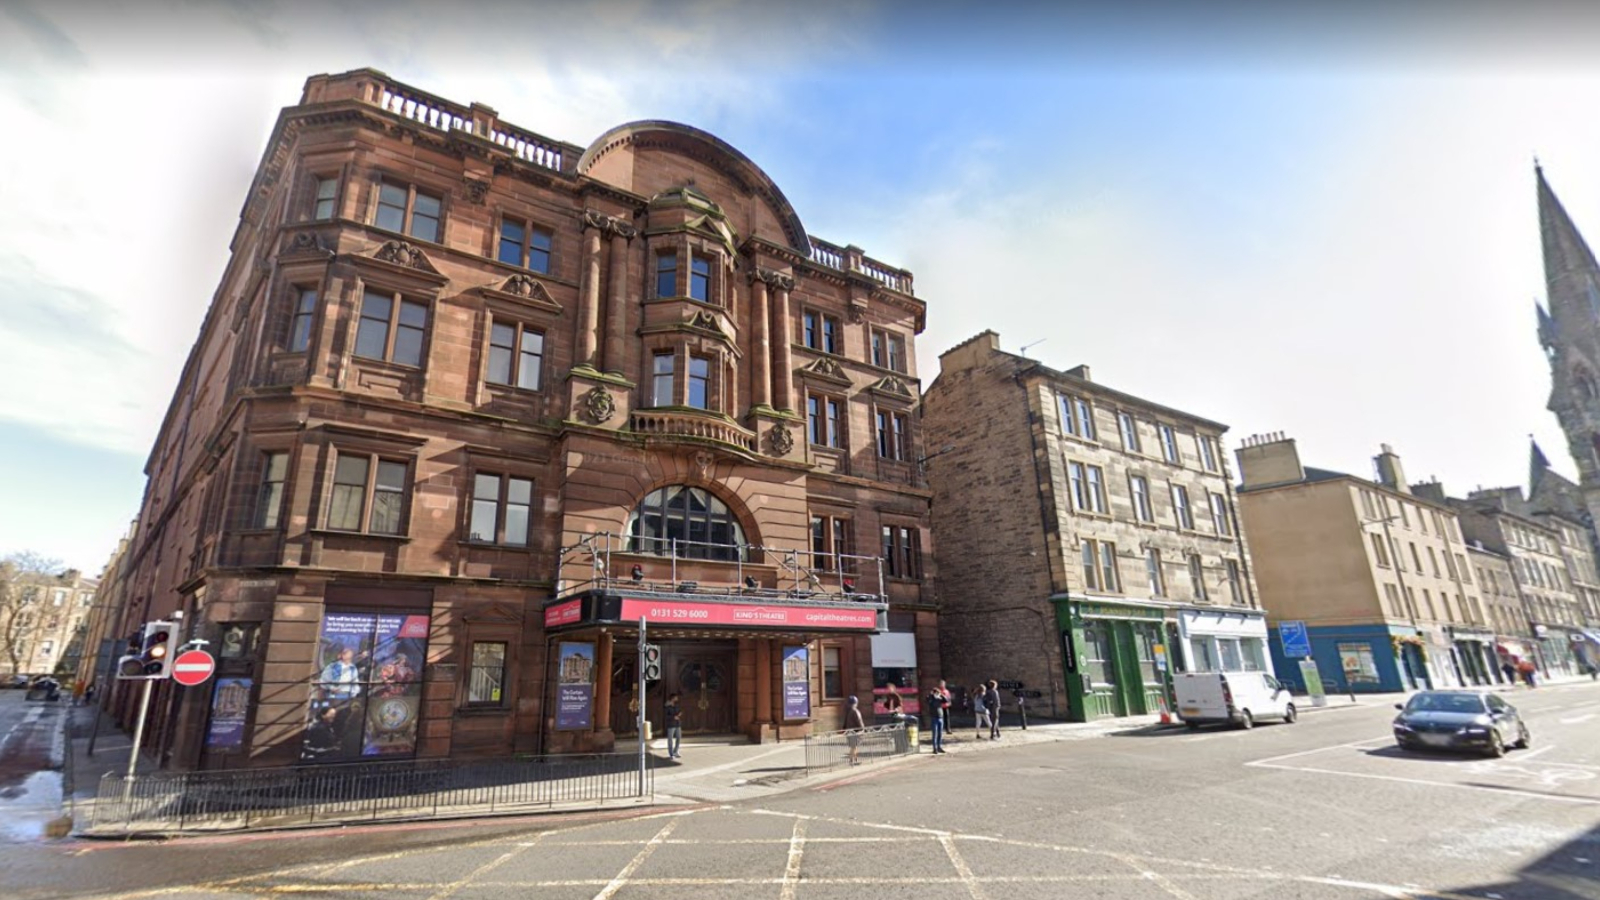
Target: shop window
{"x":1097,"y":655}
{"x":1205,"y":656}
{"x":1228,"y":649}
{"x":1254,"y":654}
{"x":486,"y":681}
{"x":1145,"y":639}
{"x":832,"y":673}
{"x":687,"y":520}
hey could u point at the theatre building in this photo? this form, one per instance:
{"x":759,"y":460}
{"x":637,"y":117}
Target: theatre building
{"x":471,"y":404}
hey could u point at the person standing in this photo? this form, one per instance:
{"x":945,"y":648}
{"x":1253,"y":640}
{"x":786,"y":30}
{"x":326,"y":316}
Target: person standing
{"x":945,"y":692}
{"x":938,"y":702}
{"x":1526,"y":668}
{"x":673,"y":714}
{"x":980,"y":712}
{"x":1509,"y":669}
{"x":854,"y":726}
{"x":991,"y":702}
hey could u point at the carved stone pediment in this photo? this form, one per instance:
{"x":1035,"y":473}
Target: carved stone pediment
{"x":707,"y":320}
{"x":827,"y":370}
{"x":893,"y":387}
{"x":406,"y":255}
{"x":306,"y":243}
{"x":524,"y":290}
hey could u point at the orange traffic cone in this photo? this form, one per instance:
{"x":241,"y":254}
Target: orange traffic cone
{"x":1166,"y":715}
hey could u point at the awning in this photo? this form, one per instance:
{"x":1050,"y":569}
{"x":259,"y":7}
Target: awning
{"x":1590,"y":636}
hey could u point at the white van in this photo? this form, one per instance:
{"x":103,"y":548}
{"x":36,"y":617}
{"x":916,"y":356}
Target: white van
{"x":1239,"y":698}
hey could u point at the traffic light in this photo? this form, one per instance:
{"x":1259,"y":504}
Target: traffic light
{"x":652,"y":662}
{"x":150,"y":653}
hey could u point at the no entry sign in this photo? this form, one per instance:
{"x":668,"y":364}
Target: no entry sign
{"x":193,"y":667}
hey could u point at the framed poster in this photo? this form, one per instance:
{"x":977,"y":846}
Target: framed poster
{"x":230,"y":706}
{"x":796,"y":683}
{"x":574,"y":686}
{"x":366,"y":696}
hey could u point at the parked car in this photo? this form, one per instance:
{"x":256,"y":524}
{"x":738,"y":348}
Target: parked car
{"x":1238,"y":698}
{"x":45,"y":688}
{"x":17,"y":682}
{"x":1459,"y":720}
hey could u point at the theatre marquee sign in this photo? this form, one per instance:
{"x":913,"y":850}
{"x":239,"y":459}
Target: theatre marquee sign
{"x":593,"y":608}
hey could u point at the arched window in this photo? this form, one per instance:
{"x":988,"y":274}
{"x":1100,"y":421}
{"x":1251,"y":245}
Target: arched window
{"x":702,"y":525}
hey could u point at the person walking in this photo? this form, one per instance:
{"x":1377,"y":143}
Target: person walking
{"x":1526,"y":669}
{"x":854,"y":725}
{"x":673,"y":714}
{"x":991,"y":702}
{"x":980,"y":712}
{"x":1509,"y":669}
{"x":938,"y":702}
{"x":948,"y":700}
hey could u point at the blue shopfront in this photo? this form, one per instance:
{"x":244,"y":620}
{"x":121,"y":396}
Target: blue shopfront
{"x":1361,"y":658}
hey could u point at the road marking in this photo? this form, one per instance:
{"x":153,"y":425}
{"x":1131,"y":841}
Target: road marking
{"x":1524,"y":757}
{"x":1493,"y":789}
{"x":633,"y":865}
{"x":963,"y":871}
{"x":1273,"y":759}
{"x":791,"y":869}
{"x":472,"y":876}
{"x":1576,"y":719}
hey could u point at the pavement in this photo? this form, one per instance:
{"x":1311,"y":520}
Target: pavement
{"x":720,"y":769}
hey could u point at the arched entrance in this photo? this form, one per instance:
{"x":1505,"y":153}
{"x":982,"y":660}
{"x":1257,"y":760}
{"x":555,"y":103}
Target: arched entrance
{"x":704,"y":674}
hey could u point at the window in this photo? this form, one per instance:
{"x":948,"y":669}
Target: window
{"x":405,"y":209}
{"x":819,"y":331}
{"x":1197,"y":578}
{"x":1085,"y":419}
{"x":1379,"y":551}
{"x":1169,"y":444}
{"x":516,"y":355}
{"x":1405,"y":518}
{"x":1096,"y":661}
{"x":667,"y":275}
{"x":1130,"y":432}
{"x":701,"y":525}
{"x":1366,"y":505}
{"x":662,"y":370}
{"x":699,"y":382}
{"x":305,"y":309}
{"x":523,"y":245}
{"x":888,"y":351}
{"x":1152,"y":571}
{"x":391,"y":329}
{"x":1203,"y":654}
{"x":1180,"y":507}
{"x":823,"y":416}
{"x":1100,"y":566}
{"x":269,"y":500}
{"x":892,"y":434}
{"x":1416,"y":557}
{"x":831,"y":539}
{"x":1235,"y":582}
{"x":1208,"y":453}
{"x":1461,"y":566}
{"x":486,"y":682}
{"x":1433,"y":561}
{"x":902,"y":551}
{"x":1219,"y":514}
{"x":1232,"y":660}
{"x":500,"y":509}
{"x":1096,"y":490}
{"x":1075,"y":481}
{"x":1393,"y":593}
{"x":832,"y":673}
{"x":1140,"y":488}
{"x":1077,"y":418}
{"x":327,"y":198}
{"x":700,"y":278}
{"x":360,"y":502}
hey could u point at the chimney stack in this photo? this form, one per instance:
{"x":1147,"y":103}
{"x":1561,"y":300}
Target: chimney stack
{"x":1390,"y":475}
{"x":1269,"y":458}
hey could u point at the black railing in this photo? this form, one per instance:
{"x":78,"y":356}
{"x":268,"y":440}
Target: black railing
{"x":831,"y":749}
{"x":414,"y":789}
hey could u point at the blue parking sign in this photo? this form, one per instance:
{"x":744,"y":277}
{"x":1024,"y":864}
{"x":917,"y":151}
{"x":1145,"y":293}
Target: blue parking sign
{"x":1296,"y":643}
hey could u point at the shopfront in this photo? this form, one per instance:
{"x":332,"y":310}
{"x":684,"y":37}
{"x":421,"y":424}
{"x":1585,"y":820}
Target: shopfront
{"x":1475,"y":657}
{"x":1217,"y":640}
{"x":763,"y":667}
{"x":1376,"y":658}
{"x":1115,"y":654}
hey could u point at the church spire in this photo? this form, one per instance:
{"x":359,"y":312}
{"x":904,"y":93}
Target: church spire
{"x":1538,"y":464}
{"x":1564,"y":248}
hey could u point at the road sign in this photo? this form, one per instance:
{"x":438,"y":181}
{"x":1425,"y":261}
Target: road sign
{"x":1296,"y":643}
{"x":193,"y":667}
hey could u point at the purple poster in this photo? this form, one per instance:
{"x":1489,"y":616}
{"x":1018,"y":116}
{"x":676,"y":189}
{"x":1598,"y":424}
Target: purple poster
{"x":230,"y":703}
{"x":574,"y":686}
{"x":796,"y":683}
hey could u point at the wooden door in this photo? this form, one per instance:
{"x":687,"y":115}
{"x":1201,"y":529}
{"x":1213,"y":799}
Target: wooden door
{"x":704,"y":677}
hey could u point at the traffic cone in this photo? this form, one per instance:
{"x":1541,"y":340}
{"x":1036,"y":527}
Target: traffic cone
{"x":1166,"y":715}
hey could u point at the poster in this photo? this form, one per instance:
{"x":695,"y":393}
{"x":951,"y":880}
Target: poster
{"x":367,"y":696}
{"x":230,"y":704}
{"x":1357,"y":662}
{"x":574,"y":686}
{"x":796,"y":683}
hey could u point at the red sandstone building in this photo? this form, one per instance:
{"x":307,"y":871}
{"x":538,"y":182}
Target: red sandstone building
{"x":469,"y":402}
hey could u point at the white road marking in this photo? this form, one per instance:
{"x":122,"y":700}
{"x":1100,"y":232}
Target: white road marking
{"x":1559,"y":798}
{"x":963,"y":871}
{"x":1576,"y":719}
{"x":791,"y":869}
{"x":1524,"y":757}
{"x":633,"y":865}
{"x":473,"y":876}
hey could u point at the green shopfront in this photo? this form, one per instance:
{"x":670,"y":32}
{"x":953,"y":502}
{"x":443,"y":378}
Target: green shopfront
{"x":1116,"y":655}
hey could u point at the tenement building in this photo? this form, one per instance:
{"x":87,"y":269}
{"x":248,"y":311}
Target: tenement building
{"x":1089,"y":538}
{"x":42,"y":616}
{"x":1377,"y":573}
{"x":472,"y":406}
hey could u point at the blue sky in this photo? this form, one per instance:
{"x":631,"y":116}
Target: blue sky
{"x":1319,"y":221}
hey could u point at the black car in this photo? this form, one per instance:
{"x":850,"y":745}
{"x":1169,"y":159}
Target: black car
{"x":1459,"y":720}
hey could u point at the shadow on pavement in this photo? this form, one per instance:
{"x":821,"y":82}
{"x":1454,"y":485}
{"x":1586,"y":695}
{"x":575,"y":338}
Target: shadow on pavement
{"x":1569,"y":872}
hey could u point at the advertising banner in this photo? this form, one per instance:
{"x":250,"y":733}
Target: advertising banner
{"x":368,"y":692}
{"x":563,"y":613}
{"x":574,"y":686}
{"x":1313,"y":680}
{"x":230,"y":704}
{"x":671,"y":612}
{"x":796,"y":683}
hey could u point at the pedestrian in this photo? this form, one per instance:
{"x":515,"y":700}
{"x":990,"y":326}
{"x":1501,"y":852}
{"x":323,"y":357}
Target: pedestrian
{"x":1526,"y":669}
{"x":1509,"y":669}
{"x":938,"y":702}
{"x":854,"y":726}
{"x":892,"y":705}
{"x":88,"y":694}
{"x":991,"y":701}
{"x":945,"y":693}
{"x":980,"y":712}
{"x":673,"y":714}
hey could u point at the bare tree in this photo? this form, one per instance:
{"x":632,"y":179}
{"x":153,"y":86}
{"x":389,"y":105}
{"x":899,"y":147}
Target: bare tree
{"x":22,"y":590}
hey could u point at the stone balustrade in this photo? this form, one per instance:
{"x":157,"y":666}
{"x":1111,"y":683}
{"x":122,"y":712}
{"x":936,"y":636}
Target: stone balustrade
{"x":691,"y":424}
{"x":851,"y":259}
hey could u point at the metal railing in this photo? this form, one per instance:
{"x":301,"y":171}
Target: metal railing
{"x":831,"y":749}
{"x":239,"y":799}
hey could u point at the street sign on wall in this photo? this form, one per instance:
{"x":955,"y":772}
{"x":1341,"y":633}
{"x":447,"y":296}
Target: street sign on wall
{"x":1296,"y":643}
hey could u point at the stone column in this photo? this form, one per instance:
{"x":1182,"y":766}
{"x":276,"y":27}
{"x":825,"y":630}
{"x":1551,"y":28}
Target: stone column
{"x":589,"y":294}
{"x":763,"y":683}
{"x":782,"y":332}
{"x":602,"y":683}
{"x":616,"y":308}
{"x":761,"y":352}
